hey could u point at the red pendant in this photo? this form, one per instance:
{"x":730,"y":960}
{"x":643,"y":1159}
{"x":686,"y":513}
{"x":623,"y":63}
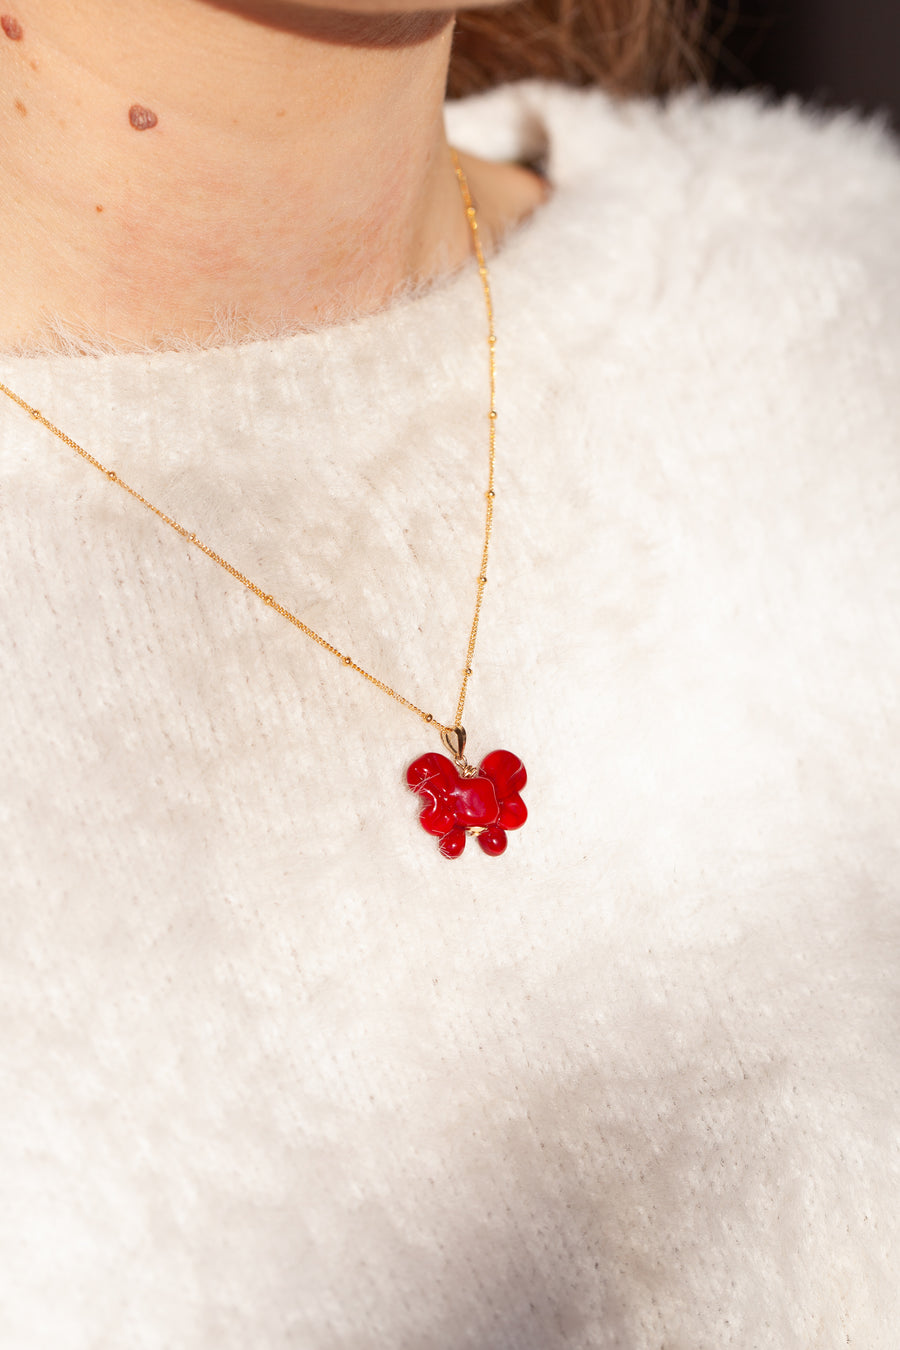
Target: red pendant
{"x":460,"y":800}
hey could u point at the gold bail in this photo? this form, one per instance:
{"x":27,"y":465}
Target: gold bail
{"x":454,"y":739}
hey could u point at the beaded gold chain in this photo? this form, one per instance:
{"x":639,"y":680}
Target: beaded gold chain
{"x":473,"y":796}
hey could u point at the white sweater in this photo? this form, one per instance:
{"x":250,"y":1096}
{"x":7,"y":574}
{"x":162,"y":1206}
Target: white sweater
{"x":277,"y":1074}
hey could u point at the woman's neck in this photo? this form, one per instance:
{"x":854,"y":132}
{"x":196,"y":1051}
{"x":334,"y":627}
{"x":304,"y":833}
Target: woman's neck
{"x":296,"y":169}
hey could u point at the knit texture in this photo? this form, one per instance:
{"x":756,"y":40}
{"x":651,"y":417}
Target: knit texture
{"x":277,"y":1074}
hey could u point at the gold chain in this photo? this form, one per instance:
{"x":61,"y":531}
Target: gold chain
{"x":269,"y":599}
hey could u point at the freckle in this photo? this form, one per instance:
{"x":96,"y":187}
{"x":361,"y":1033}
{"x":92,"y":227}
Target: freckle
{"x":99,"y":209}
{"x":34,"y":65}
{"x":11,"y":27}
{"x":282,"y":112}
{"x":20,"y":108}
{"x":142,"y":119}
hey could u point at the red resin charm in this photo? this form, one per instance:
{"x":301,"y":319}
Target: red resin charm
{"x":485,"y":804}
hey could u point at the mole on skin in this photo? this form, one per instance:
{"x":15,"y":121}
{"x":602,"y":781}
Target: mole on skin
{"x":11,"y":27}
{"x":142,"y":119}
{"x":20,"y":108}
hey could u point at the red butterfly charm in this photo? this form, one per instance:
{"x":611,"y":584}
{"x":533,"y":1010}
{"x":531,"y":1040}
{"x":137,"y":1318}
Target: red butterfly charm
{"x":483,"y":802}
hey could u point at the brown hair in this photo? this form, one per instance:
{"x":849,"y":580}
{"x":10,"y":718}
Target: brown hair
{"x":627,"y":46}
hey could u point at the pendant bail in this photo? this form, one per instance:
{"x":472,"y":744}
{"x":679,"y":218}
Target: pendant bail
{"x":454,"y":739}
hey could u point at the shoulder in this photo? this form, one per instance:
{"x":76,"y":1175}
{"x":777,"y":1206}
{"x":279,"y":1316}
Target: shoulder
{"x":713,"y":228}
{"x":704,"y":324}
{"x":743,"y":174}
{"x":578,"y":131}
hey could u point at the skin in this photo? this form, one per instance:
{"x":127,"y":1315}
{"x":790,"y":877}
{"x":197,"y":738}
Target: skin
{"x":278,"y":164}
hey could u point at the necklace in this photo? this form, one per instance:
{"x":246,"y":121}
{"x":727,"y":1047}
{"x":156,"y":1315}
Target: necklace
{"x":458,"y":798}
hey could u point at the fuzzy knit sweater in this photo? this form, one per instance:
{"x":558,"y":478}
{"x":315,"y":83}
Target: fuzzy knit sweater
{"x":275,"y":1073}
